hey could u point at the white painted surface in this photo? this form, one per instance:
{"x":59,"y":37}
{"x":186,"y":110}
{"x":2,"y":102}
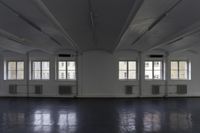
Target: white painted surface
{"x":98,"y":75}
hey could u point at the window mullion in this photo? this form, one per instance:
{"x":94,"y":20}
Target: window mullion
{"x":127,"y":71}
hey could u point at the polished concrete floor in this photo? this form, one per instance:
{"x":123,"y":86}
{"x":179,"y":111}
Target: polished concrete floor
{"x":99,"y":115}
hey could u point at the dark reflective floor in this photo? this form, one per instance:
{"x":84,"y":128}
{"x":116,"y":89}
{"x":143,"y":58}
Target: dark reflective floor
{"x":99,"y":115}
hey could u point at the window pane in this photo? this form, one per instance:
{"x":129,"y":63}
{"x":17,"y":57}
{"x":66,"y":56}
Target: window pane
{"x":174,"y":65}
{"x":157,"y":74}
{"x":71,"y":75}
{"x":183,"y":74}
{"x":45,"y":74}
{"x":45,"y":65}
{"x":174,"y":74}
{"x":132,"y":75}
{"x":20,"y":75}
{"x":123,"y":65}
{"x":148,"y":65}
{"x":132,"y":65}
{"x":36,"y":74}
{"x":11,"y":65}
{"x":36,"y":65}
{"x":71,"y":65}
{"x":148,"y":75}
{"x":62,"y":75}
{"x":20,"y":66}
{"x":62,"y":65}
{"x":122,"y":74}
{"x":12,"y":74}
{"x":157,"y":65}
{"x":183,"y":65}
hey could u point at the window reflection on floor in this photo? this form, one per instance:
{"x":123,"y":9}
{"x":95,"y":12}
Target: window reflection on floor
{"x":127,"y":121}
{"x":42,"y":121}
{"x":181,"y":121}
{"x":152,"y":121}
{"x":67,"y":121}
{"x":13,"y":118}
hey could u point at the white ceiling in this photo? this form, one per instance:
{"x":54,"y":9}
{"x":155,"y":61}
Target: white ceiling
{"x":82,"y":25}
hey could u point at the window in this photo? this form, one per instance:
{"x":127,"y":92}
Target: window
{"x":66,"y":70}
{"x":40,"y":70}
{"x":127,"y":70}
{"x":15,"y":70}
{"x":153,"y":70}
{"x":180,"y":70}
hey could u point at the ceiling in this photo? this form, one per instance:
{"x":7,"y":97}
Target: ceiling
{"x":110,"y":25}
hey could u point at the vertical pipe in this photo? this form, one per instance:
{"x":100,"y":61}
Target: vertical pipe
{"x":27,"y":73}
{"x":167,"y":75}
{"x":140,"y":66}
{"x":76,"y":59}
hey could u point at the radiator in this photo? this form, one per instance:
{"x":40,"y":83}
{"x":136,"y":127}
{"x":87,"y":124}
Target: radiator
{"x":13,"y":89}
{"x":65,"y":90}
{"x":128,"y":89}
{"x":38,"y":89}
{"x":181,"y":89}
{"x":155,"y":89}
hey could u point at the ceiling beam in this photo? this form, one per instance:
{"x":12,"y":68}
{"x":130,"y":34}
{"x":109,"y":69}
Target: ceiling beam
{"x":47,"y":12}
{"x":131,"y":17}
{"x":191,"y":30}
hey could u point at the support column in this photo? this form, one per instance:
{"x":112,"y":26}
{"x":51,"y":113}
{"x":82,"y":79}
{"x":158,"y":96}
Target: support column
{"x":167,"y":73}
{"x":27,"y":73}
{"x":140,"y":67}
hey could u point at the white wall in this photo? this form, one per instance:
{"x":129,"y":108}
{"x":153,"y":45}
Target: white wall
{"x":98,"y":75}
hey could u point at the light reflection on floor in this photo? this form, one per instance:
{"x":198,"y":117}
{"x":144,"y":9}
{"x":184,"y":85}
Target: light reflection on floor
{"x":103,"y":116}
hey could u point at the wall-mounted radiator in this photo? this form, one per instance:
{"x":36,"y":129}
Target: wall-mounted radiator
{"x":129,"y":89}
{"x":181,"y":89}
{"x":38,"y":89}
{"x":13,"y":89}
{"x":65,"y":90}
{"x":155,"y":89}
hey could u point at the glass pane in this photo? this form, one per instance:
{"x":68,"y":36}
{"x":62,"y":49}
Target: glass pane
{"x":71,"y":75}
{"x":122,"y":65}
{"x":36,"y":65}
{"x":174,"y":74}
{"x":122,"y":74}
{"x":62,"y":65}
{"x":132,"y":65}
{"x":62,"y":75}
{"x":148,"y":65}
{"x":20,"y":75}
{"x":12,"y":75}
{"x":45,"y":74}
{"x":157,"y":75}
{"x":132,"y":75}
{"x":183,"y":65}
{"x":20,"y":66}
{"x":36,"y":74}
{"x":157,"y":65}
{"x":148,"y":75}
{"x":11,"y":65}
{"x":174,"y":65}
{"x":183,"y":75}
{"x":71,"y":65}
{"x":45,"y":65}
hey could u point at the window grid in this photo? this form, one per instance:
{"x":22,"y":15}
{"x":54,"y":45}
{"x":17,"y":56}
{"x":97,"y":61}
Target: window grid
{"x":178,"y":70}
{"x":153,"y":70}
{"x":128,"y":70}
{"x":41,"y":70}
{"x":16,"y":71}
{"x":66,"y":70}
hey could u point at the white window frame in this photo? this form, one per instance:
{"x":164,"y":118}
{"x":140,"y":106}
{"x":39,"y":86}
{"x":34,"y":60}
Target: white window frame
{"x":40,"y":69}
{"x":127,"y":70}
{"x":16,"y":61}
{"x":67,"y":79}
{"x":162,"y":70}
{"x":178,"y":70}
